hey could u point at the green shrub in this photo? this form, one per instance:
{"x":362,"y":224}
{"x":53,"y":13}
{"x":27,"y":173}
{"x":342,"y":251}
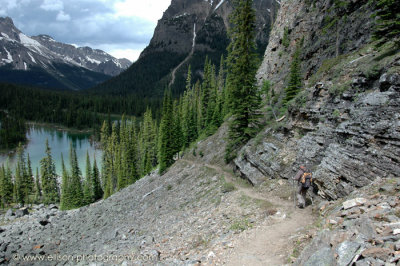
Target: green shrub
{"x":228,"y":187}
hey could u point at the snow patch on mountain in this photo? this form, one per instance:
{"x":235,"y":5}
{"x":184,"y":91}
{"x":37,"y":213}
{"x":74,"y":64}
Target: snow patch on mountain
{"x":194,"y":35}
{"x":94,"y":61}
{"x":33,"y":59}
{"x":220,"y":3}
{"x":116,"y":62}
{"x":7,"y":37}
{"x":9,"y":58}
{"x":32,"y":45}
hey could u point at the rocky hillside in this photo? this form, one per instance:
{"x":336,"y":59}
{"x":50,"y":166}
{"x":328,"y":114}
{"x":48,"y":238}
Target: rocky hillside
{"x":192,"y":214}
{"x":42,"y":61}
{"x":344,"y":123}
{"x":189,"y":31}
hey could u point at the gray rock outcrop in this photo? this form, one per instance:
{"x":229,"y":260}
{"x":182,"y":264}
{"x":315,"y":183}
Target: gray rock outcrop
{"x":345,"y":124}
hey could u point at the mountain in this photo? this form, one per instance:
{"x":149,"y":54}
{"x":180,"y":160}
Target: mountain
{"x":188,"y":31}
{"x":343,"y":125}
{"x":42,"y":61}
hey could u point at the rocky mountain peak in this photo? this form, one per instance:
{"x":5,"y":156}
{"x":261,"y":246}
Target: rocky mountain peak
{"x":21,"y":52}
{"x":6,"y":21}
{"x":188,"y":32}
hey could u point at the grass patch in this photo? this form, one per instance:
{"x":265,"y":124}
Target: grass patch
{"x":200,"y":241}
{"x":240,"y":225}
{"x":338,"y":89}
{"x":227,"y":187}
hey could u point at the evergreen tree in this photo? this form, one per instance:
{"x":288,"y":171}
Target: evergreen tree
{"x":130,"y":155}
{"x":6,"y":186}
{"x":76,"y":184}
{"x":23,"y":180}
{"x":19,"y":185}
{"x":242,"y":67}
{"x":388,"y":21}
{"x":49,"y":178}
{"x":177,"y":136}
{"x":186,"y":108}
{"x":148,"y":143}
{"x":285,"y":39}
{"x":29,"y":179}
{"x":66,"y":197}
{"x":295,"y":77}
{"x":166,"y":142}
{"x":87,"y":184}
{"x":97,"y":190}
{"x":38,"y":190}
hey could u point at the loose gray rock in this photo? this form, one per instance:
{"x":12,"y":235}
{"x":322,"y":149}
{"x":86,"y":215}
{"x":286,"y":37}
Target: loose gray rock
{"x":322,"y":257}
{"x":346,"y":252}
{"x":9,"y":213}
{"x":21,"y":212}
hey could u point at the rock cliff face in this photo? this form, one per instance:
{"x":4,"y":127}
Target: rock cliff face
{"x":345,"y":124}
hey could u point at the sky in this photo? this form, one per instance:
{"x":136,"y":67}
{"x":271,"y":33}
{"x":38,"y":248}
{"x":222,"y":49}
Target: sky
{"x":122,"y":28}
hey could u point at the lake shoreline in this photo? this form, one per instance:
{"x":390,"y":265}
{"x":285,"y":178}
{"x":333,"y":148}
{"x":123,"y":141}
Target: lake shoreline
{"x":60,"y":139}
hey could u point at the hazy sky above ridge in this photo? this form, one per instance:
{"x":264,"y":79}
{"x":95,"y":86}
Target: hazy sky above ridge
{"x":122,"y":28}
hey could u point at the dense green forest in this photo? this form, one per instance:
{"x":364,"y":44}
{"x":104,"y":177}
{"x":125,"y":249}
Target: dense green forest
{"x":71,"y":109}
{"x":12,"y":130}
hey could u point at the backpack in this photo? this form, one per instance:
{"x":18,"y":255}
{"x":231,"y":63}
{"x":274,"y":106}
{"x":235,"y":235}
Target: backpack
{"x":306,"y":180}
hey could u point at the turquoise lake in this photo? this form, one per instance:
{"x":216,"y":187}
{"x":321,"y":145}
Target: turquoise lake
{"x":59,"y":142}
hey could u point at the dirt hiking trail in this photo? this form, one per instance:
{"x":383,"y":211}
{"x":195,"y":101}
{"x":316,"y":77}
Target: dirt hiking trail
{"x":273,"y":241}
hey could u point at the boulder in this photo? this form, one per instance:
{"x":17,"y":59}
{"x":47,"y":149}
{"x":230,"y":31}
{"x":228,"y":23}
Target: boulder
{"x":52,"y":206}
{"x":377,"y":253}
{"x":21,"y":212}
{"x":321,"y":257}
{"x":386,"y":80}
{"x":346,"y":252}
{"x":354,"y":202}
{"x":9,"y":213}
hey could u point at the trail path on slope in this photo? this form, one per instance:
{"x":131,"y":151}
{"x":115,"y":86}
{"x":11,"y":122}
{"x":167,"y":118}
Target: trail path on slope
{"x":185,"y":60}
{"x":271,"y":242}
{"x":179,"y":66}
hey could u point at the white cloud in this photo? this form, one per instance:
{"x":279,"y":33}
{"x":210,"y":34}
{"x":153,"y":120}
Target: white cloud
{"x":52,"y":5}
{"x":130,"y":54}
{"x":61,"y":16}
{"x":12,"y":4}
{"x":149,"y":10}
{"x":3,"y":12}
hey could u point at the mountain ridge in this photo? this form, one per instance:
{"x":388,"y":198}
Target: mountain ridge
{"x":188,"y":31}
{"x":19,"y":52}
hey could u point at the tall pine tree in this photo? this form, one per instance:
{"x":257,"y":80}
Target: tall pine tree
{"x":295,"y":77}
{"x":87,"y":183}
{"x":49,"y":178}
{"x":76,"y":184}
{"x":97,"y":190}
{"x":38,"y":189}
{"x":388,"y":21}
{"x":166,"y":142}
{"x":242,"y":67}
{"x":6,"y":187}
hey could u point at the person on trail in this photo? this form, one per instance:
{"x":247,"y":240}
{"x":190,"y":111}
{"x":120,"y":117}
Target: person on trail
{"x":304,"y":180}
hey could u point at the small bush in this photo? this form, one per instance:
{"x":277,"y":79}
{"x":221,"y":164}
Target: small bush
{"x":228,"y":187}
{"x":240,"y":225}
{"x":169,"y":187}
{"x":373,"y":72}
{"x":336,"y":113}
